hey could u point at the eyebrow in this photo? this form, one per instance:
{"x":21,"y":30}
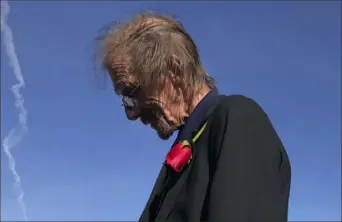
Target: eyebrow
{"x":123,"y":89}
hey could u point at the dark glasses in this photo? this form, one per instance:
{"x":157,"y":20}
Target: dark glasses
{"x":129,"y":102}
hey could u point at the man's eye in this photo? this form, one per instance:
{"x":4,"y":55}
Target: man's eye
{"x":129,"y":90}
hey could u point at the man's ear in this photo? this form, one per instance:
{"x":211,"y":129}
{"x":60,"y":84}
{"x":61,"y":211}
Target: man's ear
{"x":176,"y":71}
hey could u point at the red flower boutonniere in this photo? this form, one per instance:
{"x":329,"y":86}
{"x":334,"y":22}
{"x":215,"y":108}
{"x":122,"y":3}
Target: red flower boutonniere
{"x":179,"y":156}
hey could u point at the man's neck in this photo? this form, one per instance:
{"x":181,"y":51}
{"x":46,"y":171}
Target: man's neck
{"x":189,"y":107}
{"x":198,"y":98}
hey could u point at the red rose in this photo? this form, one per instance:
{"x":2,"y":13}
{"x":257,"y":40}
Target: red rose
{"x":179,"y":156}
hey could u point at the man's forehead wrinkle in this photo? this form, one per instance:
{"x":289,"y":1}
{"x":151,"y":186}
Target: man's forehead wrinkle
{"x":121,"y":82}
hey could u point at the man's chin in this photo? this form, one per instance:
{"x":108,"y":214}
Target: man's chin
{"x":164,"y":135}
{"x":164,"y":130}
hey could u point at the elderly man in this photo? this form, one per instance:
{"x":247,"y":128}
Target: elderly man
{"x":227,"y":163}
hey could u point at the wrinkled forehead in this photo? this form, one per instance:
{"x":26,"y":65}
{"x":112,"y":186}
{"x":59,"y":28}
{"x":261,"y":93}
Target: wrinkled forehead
{"x":123,"y":82}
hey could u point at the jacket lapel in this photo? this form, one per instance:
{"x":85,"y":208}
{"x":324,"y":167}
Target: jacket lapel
{"x":173,"y":194}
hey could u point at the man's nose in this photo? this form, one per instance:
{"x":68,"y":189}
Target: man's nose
{"x":132,"y":113}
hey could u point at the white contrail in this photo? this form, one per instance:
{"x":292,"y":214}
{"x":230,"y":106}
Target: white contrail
{"x":16,"y":134}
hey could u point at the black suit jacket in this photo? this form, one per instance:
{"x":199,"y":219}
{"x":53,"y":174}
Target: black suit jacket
{"x":240,"y":171}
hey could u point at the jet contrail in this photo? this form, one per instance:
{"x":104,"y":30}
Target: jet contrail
{"x":16,"y":134}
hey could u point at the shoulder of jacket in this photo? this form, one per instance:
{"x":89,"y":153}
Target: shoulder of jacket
{"x":237,"y":103}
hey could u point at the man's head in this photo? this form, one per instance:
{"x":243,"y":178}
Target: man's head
{"x":154,"y":64}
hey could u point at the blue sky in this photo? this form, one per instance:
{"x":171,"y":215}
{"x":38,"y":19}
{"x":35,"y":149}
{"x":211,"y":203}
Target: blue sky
{"x":82,"y":160}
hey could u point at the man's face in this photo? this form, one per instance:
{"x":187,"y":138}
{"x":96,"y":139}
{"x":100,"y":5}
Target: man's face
{"x":151,"y":110}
